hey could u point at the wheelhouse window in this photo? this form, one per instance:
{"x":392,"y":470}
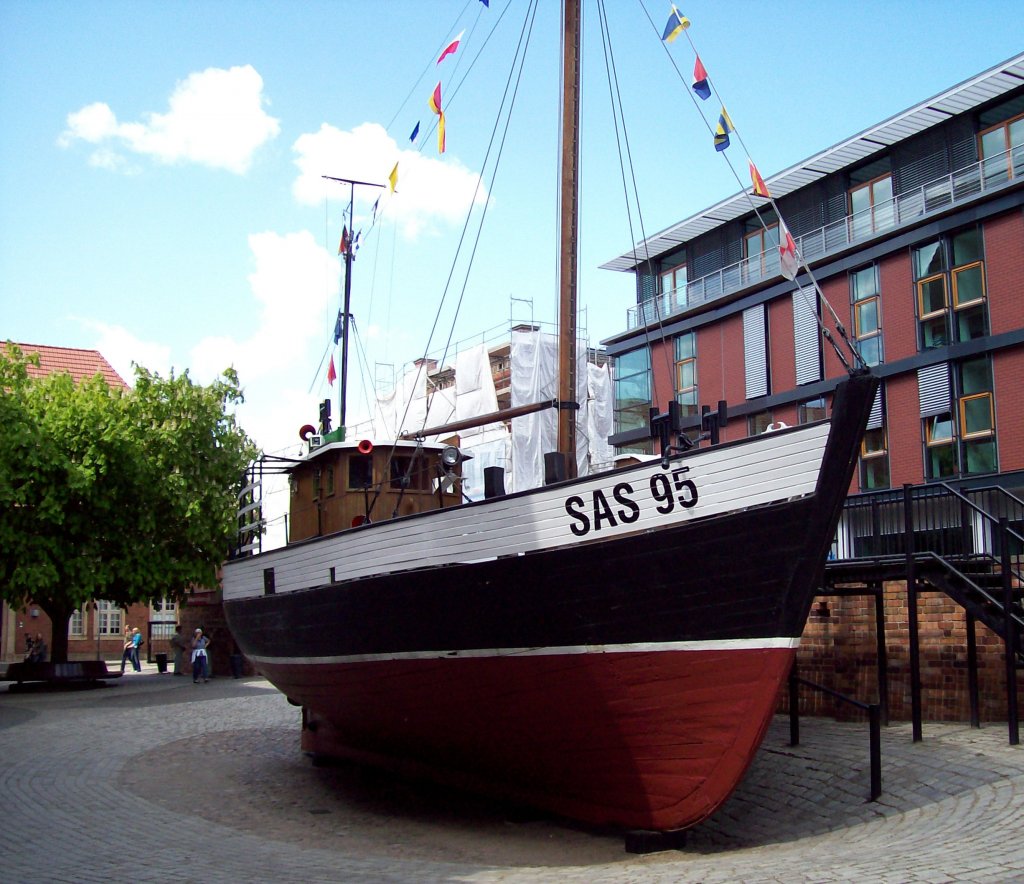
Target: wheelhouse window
{"x":360,"y":471}
{"x":949,"y":279}
{"x":867,"y":313}
{"x":686,"y":372}
{"x":411,"y":472}
{"x":632,"y":390}
{"x":871,"y":206}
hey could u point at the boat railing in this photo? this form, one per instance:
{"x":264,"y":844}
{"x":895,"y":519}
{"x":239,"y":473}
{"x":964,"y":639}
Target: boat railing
{"x":930,"y":198}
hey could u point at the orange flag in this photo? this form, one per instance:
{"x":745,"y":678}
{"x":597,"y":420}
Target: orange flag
{"x":760,"y":188}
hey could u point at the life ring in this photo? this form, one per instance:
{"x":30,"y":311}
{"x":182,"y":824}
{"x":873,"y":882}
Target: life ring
{"x":306,"y":431}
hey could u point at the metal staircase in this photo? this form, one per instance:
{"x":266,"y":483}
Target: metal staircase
{"x":966,"y":543}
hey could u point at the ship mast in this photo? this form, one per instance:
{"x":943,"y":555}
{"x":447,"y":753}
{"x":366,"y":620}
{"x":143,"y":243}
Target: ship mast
{"x":569,"y":226}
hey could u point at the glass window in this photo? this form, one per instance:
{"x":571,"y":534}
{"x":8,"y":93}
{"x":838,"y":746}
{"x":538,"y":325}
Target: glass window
{"x":76,"y":625}
{"x":961,"y":287}
{"x":410,"y":472}
{"x":867,"y":326}
{"x":812,"y":410}
{"x":109,"y":618}
{"x":874,"y":460}
{"x":976,"y":415}
{"x":758,"y":423}
{"x":360,"y":471}
{"x":871,"y":207}
{"x":686,"y":372}
{"x":931,"y":296}
{"x":761,"y":252}
{"x":975,"y":376}
{"x":940,"y":457}
{"x":968,"y":285}
{"x":673,"y":289}
{"x":928,"y":260}
{"x":966,"y":247}
{"x":632,"y":390}
{"x":1002,"y":151}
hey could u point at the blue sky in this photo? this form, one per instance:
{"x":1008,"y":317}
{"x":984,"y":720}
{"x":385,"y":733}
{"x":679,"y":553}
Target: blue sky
{"x":160,"y":163}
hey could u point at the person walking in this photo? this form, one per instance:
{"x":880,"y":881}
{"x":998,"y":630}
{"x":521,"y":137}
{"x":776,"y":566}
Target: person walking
{"x":126,"y":651}
{"x":136,"y":647}
{"x":199,"y":645}
{"x":180,"y":644}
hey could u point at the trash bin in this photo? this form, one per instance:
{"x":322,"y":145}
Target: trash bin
{"x":161,"y":662}
{"x":236,"y":665}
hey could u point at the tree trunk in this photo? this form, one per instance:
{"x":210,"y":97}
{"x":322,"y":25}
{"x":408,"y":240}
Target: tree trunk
{"x":60,"y":616}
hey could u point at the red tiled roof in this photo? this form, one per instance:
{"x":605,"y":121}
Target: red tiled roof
{"x":80,"y":364}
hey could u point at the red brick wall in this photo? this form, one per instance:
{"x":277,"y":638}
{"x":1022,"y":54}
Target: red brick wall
{"x":79,"y":647}
{"x":1004,"y":265}
{"x":838,"y":650}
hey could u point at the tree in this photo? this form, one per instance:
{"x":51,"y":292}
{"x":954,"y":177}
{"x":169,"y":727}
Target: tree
{"x":128,"y":496}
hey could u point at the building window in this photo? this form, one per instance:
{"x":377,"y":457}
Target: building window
{"x":686,"y":373}
{"x":761,"y":252}
{"x":673,"y":289}
{"x":949,"y":278}
{"x":962,"y":439}
{"x":109,"y":618}
{"x":867,"y":314}
{"x":874,"y":460}
{"x":632,"y":390}
{"x":360,"y":471}
{"x":1002,"y":150}
{"x":76,"y":625}
{"x":759,"y":422}
{"x":812,"y":410}
{"x":871,"y":207}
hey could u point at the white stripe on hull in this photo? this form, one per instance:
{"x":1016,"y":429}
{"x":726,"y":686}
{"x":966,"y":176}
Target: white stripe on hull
{"x":740,"y":644}
{"x":764,"y":470}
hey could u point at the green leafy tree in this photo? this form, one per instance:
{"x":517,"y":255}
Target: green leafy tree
{"x":127,"y":496}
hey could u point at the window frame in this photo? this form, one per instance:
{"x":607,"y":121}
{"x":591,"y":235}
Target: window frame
{"x":857,"y":227}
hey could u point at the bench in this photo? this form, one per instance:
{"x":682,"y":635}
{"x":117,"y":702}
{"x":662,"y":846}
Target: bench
{"x":81,"y":671}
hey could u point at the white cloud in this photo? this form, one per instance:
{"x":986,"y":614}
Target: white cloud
{"x":215,"y":118}
{"x":121,"y":349}
{"x":429,"y":189}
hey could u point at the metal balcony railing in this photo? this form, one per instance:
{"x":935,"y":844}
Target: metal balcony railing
{"x":987,"y":175}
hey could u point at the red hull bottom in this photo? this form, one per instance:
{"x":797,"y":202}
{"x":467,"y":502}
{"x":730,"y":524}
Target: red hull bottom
{"x":654,"y":740}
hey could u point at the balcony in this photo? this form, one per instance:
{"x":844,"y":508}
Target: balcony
{"x":988,"y":175}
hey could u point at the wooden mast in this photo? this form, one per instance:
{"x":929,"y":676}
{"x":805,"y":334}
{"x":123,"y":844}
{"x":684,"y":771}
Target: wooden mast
{"x":568,"y":238}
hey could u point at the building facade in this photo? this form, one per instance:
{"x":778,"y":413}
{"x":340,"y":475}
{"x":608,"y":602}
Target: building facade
{"x":914,"y":232}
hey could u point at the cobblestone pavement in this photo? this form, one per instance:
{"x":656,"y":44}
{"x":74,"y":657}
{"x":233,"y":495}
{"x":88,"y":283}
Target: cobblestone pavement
{"x":155,"y":779}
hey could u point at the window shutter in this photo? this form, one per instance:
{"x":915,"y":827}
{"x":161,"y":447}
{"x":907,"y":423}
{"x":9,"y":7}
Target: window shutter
{"x":755,"y":356}
{"x":877,"y":416}
{"x":805,"y":336}
{"x":933,"y":389}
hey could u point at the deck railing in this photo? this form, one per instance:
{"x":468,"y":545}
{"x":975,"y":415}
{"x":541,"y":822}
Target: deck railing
{"x":961,"y":186}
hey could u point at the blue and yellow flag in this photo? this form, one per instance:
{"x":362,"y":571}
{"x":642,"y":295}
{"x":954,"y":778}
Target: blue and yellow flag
{"x":677,"y":23}
{"x":722,"y":130}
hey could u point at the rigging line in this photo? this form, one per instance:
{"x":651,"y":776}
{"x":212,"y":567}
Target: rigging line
{"x":367,"y":380}
{"x":430,"y":63}
{"x":321,"y":365}
{"x":494,"y":175}
{"x":615,"y":98}
{"x":520,"y":54}
{"x":749,"y":197}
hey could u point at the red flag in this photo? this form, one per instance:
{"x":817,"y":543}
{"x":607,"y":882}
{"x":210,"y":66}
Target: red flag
{"x":331,"y":373}
{"x":789,"y":261}
{"x":760,"y":188}
{"x":450,"y":48}
{"x":343,"y":245}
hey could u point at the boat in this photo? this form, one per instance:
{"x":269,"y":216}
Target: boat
{"x":606,"y":647}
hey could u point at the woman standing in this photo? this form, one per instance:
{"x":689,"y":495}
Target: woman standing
{"x":199,"y":645}
{"x":126,"y":652}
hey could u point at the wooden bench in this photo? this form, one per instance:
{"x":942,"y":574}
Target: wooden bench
{"x":79,"y":671}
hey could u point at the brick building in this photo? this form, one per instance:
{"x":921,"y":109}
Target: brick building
{"x":914,"y":231}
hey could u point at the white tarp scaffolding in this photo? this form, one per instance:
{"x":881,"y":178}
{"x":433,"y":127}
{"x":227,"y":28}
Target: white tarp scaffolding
{"x":535,"y":378}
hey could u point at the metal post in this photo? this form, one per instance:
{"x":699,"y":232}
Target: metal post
{"x":972,"y":669}
{"x":915,"y":651}
{"x":876,"y":751}
{"x":1010,"y":632}
{"x":881,"y":653}
{"x":794,"y":707}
